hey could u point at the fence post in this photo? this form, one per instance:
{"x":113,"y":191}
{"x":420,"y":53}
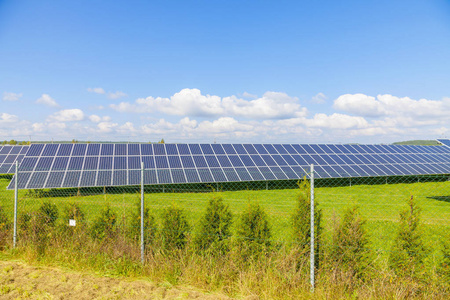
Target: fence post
{"x":142,"y":212}
{"x":312,"y":258}
{"x":16,"y":196}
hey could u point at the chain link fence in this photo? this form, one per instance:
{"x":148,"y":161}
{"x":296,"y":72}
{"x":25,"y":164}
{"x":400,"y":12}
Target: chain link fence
{"x":380,"y":236}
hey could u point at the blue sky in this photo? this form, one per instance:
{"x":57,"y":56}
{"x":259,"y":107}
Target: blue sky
{"x":229,"y":71}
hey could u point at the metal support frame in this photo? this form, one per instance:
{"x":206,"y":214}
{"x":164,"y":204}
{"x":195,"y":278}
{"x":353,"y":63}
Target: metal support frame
{"x":312,"y":258}
{"x":142,"y":213}
{"x":16,"y":196}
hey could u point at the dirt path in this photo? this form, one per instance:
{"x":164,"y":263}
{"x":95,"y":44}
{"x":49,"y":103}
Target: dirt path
{"x":19,"y":280}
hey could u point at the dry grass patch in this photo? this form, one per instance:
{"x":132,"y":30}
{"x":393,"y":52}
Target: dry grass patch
{"x":20,"y":280}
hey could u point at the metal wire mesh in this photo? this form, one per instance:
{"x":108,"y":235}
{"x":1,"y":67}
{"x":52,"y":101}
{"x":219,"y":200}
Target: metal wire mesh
{"x":107,"y":220}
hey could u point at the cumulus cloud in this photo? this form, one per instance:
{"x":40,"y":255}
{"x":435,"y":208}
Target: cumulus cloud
{"x":248,"y":95}
{"x":7,"y":118}
{"x":388,"y":105}
{"x":45,"y":99}
{"x":67,"y":115}
{"x":273,"y":117}
{"x":98,"y":119}
{"x":191,"y":102}
{"x":11,"y":96}
{"x":320,"y":98}
{"x":336,"y":121}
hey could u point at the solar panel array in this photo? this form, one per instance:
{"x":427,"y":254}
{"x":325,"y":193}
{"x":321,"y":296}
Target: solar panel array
{"x":8,"y":157}
{"x":445,"y":142}
{"x":87,"y":165}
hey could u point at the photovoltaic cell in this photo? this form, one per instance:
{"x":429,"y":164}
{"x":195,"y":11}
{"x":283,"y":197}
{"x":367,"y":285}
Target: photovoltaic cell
{"x":73,"y":165}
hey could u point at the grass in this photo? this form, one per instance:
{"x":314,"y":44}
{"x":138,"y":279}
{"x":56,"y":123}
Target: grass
{"x":379,"y":204}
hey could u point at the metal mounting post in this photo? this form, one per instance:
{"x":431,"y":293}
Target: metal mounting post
{"x":312,"y":258}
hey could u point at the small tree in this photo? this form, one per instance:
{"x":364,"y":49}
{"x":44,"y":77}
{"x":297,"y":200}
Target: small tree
{"x":4,"y":227}
{"x":49,"y":213}
{"x":214,"y":225}
{"x":135,"y":223}
{"x":175,"y":228}
{"x":408,"y":251}
{"x":301,"y":221}
{"x":72,"y":211}
{"x":254,"y":230}
{"x":349,"y":251}
{"x":104,"y":226}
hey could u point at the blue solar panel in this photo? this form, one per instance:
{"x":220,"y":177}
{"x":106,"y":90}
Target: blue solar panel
{"x":171,"y":149}
{"x":445,"y":142}
{"x":73,"y":165}
{"x":79,"y":150}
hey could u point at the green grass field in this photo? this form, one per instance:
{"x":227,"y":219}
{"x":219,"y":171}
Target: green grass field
{"x":379,"y":204}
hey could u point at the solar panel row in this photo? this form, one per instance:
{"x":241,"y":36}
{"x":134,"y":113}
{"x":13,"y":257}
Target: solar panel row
{"x":8,"y":157}
{"x":444,"y":142}
{"x":84,"y":165}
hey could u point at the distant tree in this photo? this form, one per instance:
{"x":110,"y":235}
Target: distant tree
{"x":161,"y":141}
{"x":13,"y":142}
{"x":74,"y":141}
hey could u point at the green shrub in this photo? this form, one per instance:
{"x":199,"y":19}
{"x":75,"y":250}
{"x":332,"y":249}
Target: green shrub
{"x":349,"y":252}
{"x":175,"y":228}
{"x":214,"y":226}
{"x":49,"y":213}
{"x":408,"y":251}
{"x":5,"y":224}
{"x":135,"y":224}
{"x":301,"y":222}
{"x":72,"y":211}
{"x":104,"y":225}
{"x":254,"y":231}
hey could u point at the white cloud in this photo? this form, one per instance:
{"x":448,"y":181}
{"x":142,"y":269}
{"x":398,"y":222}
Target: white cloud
{"x":110,"y":95}
{"x":320,"y":98}
{"x":97,"y":90}
{"x":67,"y":115}
{"x":116,"y":95}
{"x":336,"y":121}
{"x":388,"y":105}
{"x":7,"y":118}
{"x":11,"y":96}
{"x":106,"y":127}
{"x":191,"y":102}
{"x":98,"y":119}
{"x":248,"y":95}
{"x":45,"y":99}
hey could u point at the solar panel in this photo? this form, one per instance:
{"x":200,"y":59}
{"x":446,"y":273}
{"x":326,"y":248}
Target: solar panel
{"x":444,"y":142}
{"x":9,"y":154}
{"x":85,"y":165}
